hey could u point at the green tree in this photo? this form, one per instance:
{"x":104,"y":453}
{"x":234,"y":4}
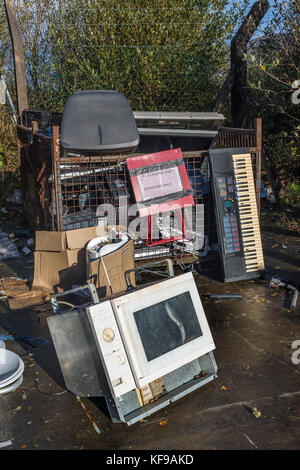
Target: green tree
{"x":162,"y":54}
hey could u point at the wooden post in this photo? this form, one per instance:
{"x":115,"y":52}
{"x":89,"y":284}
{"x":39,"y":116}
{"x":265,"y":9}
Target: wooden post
{"x":18,"y":55}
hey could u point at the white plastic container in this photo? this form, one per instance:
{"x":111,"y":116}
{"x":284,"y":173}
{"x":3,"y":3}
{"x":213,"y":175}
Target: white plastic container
{"x":11,"y":370}
{"x":100,"y":246}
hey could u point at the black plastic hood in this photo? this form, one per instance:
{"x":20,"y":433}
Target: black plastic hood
{"x":98,"y":121}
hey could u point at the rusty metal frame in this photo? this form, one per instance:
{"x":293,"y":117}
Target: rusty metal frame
{"x":43,"y":160}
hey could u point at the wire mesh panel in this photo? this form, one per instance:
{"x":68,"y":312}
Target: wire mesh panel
{"x":67,"y":192}
{"x":83,"y":183}
{"x":230,"y":137}
{"x":84,"y":186}
{"x":88,"y":191}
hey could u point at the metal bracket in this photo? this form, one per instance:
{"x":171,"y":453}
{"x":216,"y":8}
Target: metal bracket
{"x":168,"y":262}
{"x":90,"y":286}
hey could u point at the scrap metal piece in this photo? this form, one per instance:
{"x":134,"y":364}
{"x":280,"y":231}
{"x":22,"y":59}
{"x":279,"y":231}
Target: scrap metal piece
{"x":276,"y":282}
{"x":77,"y":354}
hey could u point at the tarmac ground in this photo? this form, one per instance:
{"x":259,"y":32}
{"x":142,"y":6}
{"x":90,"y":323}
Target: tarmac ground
{"x":257,"y":367}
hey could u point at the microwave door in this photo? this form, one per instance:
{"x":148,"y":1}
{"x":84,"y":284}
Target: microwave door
{"x":167,"y":325}
{"x":163,"y":327}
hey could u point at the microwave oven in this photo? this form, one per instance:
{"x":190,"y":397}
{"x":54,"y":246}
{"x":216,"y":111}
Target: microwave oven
{"x":141,"y":350}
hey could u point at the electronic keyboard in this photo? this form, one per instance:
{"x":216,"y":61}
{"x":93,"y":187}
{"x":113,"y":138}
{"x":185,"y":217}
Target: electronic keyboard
{"x":236,"y":213}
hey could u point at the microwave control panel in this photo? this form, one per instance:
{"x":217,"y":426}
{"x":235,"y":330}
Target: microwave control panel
{"x":111,"y":348}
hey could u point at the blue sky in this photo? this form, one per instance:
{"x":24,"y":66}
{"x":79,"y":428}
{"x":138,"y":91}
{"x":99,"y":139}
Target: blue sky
{"x":253,"y":1}
{"x":271,"y":2}
{"x":266,"y":18}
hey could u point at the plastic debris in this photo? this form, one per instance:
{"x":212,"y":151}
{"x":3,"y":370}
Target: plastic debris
{"x":26,"y":339}
{"x":8,"y":249}
{"x":26,"y":250}
{"x":270,"y":195}
{"x":262,"y":190}
{"x":5,"y":444}
{"x":292,"y":290}
{"x":256,"y":413}
{"x":251,"y":442}
{"x":16,"y":197}
{"x":24,"y":232}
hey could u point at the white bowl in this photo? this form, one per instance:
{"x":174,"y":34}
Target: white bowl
{"x":11,"y":367}
{"x":14,"y":376}
{"x":11,"y":387}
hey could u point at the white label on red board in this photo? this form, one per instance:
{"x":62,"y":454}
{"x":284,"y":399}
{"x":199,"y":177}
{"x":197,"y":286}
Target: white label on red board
{"x":160,"y":183}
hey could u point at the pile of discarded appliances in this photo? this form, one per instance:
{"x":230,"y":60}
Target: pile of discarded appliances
{"x":139,"y":346}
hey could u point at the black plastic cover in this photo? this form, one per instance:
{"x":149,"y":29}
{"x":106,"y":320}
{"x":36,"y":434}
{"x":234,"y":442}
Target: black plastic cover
{"x":98,"y":121}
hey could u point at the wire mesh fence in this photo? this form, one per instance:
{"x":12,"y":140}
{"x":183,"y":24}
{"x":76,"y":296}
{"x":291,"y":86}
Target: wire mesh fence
{"x":163,"y":55}
{"x":85,"y":187}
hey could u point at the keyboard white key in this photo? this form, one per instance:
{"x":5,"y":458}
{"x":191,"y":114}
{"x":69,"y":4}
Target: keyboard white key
{"x":249,"y":221}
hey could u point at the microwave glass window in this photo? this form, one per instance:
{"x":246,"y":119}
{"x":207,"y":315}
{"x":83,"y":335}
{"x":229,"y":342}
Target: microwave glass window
{"x":167,"y":325}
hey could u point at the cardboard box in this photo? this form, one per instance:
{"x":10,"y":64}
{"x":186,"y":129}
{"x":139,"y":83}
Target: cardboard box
{"x":50,"y":241}
{"x":115,"y":266}
{"x":60,"y":260}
